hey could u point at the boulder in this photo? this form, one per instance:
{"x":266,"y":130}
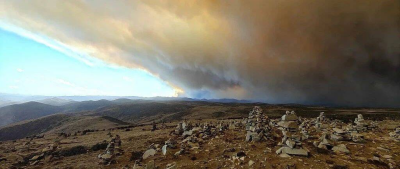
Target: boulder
{"x":164,"y":149}
{"x":341,"y":148}
{"x":187,"y":133}
{"x":148,"y":153}
{"x":294,"y":151}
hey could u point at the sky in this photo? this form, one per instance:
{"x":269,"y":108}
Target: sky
{"x":307,"y":52}
{"x":28,"y":67}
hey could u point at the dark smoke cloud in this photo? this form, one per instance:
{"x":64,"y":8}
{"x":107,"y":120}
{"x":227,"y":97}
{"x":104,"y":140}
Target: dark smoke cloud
{"x":312,"y":52}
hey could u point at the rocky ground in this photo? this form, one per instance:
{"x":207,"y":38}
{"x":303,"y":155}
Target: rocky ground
{"x":204,"y":145}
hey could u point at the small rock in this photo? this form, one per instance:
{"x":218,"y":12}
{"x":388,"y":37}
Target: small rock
{"x":171,"y":166}
{"x":341,"y":148}
{"x":251,"y":162}
{"x":387,"y":156}
{"x":148,"y":153}
{"x":284,"y":155}
{"x":164,"y":149}
{"x":241,"y":154}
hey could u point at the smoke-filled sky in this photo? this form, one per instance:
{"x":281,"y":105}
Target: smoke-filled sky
{"x":296,"y":51}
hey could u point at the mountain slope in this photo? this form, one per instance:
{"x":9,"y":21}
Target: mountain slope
{"x":55,"y":101}
{"x":32,"y":110}
{"x":58,"y":123}
{"x":25,"y":111}
{"x":86,"y":105}
{"x":80,"y":123}
{"x":32,"y":127}
{"x":139,"y":111}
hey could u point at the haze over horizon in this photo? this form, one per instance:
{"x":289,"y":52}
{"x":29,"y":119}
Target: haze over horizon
{"x":305,"y":52}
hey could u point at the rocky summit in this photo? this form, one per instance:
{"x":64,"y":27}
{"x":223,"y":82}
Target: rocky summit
{"x":255,"y":141}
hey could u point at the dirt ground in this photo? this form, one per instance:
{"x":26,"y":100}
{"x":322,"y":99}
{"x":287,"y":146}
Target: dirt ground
{"x":211,"y":153}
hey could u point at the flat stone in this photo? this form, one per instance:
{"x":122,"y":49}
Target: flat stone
{"x":383,"y":149}
{"x":284,"y":155}
{"x":171,"y":166}
{"x":294,"y":151}
{"x":187,"y":133}
{"x":35,"y":157}
{"x":387,"y":156}
{"x":339,"y":131}
{"x":363,"y":159}
{"x":194,"y":145}
{"x":341,"y":148}
{"x":106,"y":156}
{"x":148,"y":153}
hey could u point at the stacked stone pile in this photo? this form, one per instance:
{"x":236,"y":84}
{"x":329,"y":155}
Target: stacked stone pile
{"x":257,"y":126}
{"x":291,"y":141}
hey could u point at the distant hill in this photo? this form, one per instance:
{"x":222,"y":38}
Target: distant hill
{"x":55,"y":101}
{"x":56,"y":124}
{"x":80,"y":123}
{"x":25,"y":111}
{"x":135,"y":112}
{"x":6,"y":102}
{"x":32,"y":110}
{"x":32,"y":127}
{"x":86,"y":105}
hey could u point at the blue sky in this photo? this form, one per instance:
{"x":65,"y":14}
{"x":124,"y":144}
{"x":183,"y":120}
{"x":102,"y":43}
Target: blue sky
{"x":32,"y":68}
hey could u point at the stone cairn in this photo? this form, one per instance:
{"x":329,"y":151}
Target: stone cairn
{"x":179,"y":129}
{"x":340,"y":135}
{"x":257,"y":126}
{"x":113,"y":149}
{"x":363,"y":125}
{"x":324,"y":142}
{"x":154,"y":126}
{"x":304,"y":129}
{"x":322,"y":122}
{"x":291,"y":141}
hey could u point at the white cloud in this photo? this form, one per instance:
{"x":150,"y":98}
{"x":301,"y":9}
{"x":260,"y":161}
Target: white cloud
{"x":20,"y":70}
{"x":80,"y":90}
{"x":65,"y":82}
{"x":13,"y":87}
{"x":128,"y":79}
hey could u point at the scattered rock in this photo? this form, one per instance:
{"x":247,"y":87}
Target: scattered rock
{"x":341,"y":148}
{"x":241,"y":154}
{"x":251,"y":163}
{"x":171,"y":166}
{"x":148,"y":153}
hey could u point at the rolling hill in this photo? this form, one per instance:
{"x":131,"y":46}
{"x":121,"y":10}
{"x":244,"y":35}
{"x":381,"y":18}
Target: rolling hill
{"x":26,"y":111}
{"x":58,"y":123}
{"x":55,"y":101}
{"x":32,"y":110}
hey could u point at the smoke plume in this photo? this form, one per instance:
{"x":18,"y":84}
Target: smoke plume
{"x":310,"y":52}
